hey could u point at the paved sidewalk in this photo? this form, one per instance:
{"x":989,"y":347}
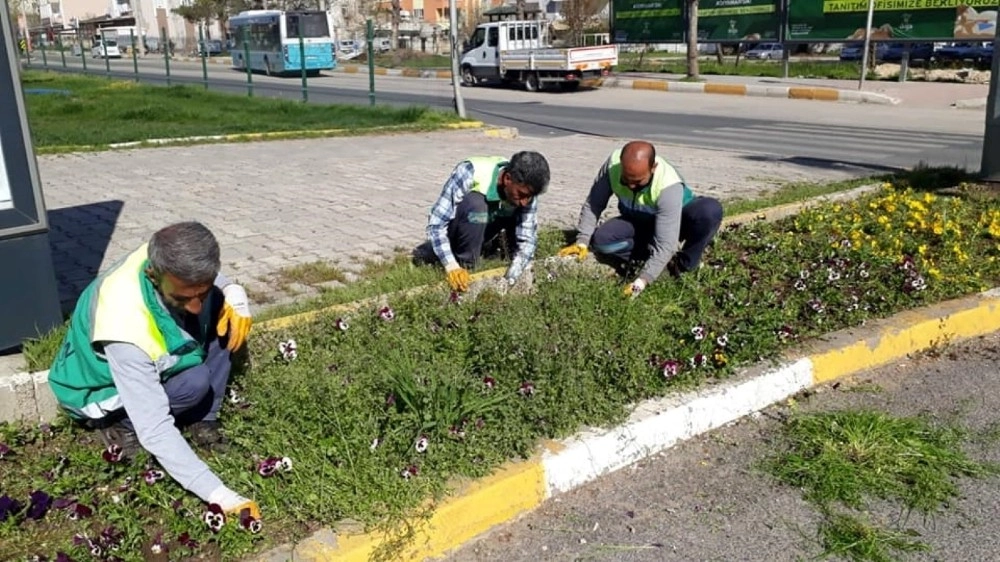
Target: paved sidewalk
{"x":280,"y":203}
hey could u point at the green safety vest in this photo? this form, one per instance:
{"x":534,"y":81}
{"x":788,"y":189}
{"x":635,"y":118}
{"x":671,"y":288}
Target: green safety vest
{"x":643,"y":202}
{"x":486,"y":172}
{"x":119,"y":306}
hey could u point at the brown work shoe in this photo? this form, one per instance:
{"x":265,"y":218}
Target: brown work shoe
{"x":207,"y":435}
{"x":122,"y":436}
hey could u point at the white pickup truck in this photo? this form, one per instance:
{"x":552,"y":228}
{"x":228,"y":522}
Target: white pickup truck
{"x":519,"y":52}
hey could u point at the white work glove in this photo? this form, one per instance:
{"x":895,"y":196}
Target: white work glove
{"x":637,"y":287}
{"x":236,"y":297}
{"x":233,"y":503}
{"x":517,"y":267}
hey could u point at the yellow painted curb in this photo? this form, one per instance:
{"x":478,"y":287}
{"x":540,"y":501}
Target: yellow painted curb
{"x":381,"y":71}
{"x":659,"y":85}
{"x":730,"y":89}
{"x":909,"y":332}
{"x":350,"y":68}
{"x":514,"y":489}
{"x":411,"y":73}
{"x":822,"y":94}
{"x":443,"y":74}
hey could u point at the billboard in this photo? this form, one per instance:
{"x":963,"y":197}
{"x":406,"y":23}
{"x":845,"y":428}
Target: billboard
{"x":647,"y":21}
{"x":930,"y":20}
{"x":738,"y":20}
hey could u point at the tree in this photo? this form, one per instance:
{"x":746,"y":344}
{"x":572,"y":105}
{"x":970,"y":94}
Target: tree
{"x":692,"y":46}
{"x":576,"y":15}
{"x":197,"y":12}
{"x":520,"y":9}
{"x":396,"y":9}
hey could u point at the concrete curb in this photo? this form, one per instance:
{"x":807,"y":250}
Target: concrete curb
{"x":520,"y":487}
{"x":488,"y":130}
{"x":753,"y":90}
{"x":973,"y":103}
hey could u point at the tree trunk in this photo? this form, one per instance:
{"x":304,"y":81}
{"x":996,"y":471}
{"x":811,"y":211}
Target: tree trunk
{"x":692,"y":58}
{"x":396,"y":7}
{"x":520,"y":9}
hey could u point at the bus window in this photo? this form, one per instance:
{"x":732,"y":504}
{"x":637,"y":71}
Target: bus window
{"x":313,"y":25}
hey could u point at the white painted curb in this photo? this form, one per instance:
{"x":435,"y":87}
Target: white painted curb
{"x":659,"y":424}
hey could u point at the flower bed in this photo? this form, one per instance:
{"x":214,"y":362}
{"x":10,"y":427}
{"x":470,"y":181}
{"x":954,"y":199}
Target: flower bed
{"x":367,"y":416}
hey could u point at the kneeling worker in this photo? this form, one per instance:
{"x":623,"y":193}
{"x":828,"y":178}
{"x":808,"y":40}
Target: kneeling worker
{"x":148,"y":350}
{"x":657,"y":211}
{"x":483,"y":197}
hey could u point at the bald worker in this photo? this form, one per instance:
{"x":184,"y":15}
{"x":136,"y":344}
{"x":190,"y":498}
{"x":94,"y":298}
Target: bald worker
{"x":657,"y":210}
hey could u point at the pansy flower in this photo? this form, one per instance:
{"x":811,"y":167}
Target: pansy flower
{"x":785,"y":332}
{"x":40,"y":503}
{"x":386,"y":313}
{"x":185,"y":540}
{"x":249,"y":522}
{"x":268,"y":467}
{"x":152,"y":476}
{"x":4,"y":450}
{"x":63,"y":557}
{"x":111,"y":537}
{"x":527,"y":388}
{"x":9,"y":507}
{"x":80,"y":511}
{"x":817,"y":306}
{"x":390,"y":400}
{"x":214,"y":517}
{"x":800,"y":285}
{"x":342,"y":325}
{"x":285,"y":464}
{"x":62,"y":503}
{"x":670,"y":368}
{"x":112,"y":454}
{"x":409,"y":472}
{"x":422,"y":444}
{"x":457,"y":430}
{"x":722,"y":340}
{"x":832,"y":275}
{"x":698,"y":332}
{"x":455,"y":297}
{"x":698,"y":360}
{"x":719,"y":358}
{"x":158,"y":547}
{"x":289,"y":350}
{"x":490,"y":382}
{"x":234,"y":398}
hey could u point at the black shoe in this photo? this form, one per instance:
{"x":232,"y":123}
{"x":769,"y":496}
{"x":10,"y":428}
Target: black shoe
{"x":123,"y":436}
{"x":207,"y":435}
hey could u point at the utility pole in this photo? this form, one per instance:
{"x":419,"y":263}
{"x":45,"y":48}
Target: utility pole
{"x":456,"y":83}
{"x":140,"y":27}
{"x":989,"y":168}
{"x":868,"y":42}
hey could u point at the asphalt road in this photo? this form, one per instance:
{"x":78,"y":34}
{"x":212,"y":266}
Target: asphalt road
{"x":706,"y":499}
{"x":818,"y":133}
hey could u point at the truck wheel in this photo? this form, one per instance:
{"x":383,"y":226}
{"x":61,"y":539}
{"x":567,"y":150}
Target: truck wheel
{"x":531,"y":82}
{"x":570,"y":86}
{"x":468,"y":78}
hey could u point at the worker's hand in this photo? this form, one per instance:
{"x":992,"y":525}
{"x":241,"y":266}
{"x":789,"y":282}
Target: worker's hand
{"x":578,"y":250}
{"x":235,"y":319}
{"x":637,"y":287}
{"x":458,"y":279}
{"x":233,"y":503}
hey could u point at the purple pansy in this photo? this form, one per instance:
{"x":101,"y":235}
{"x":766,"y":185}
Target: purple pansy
{"x":185,"y":540}
{"x":490,"y":382}
{"x":112,"y":454}
{"x":342,"y":325}
{"x":80,"y":511}
{"x":670,"y":368}
{"x":249,"y":522}
{"x":40,"y":503}
{"x":409,"y":472}
{"x":4,"y":450}
{"x":152,"y":476}
{"x":527,"y":388}
{"x":422,"y":443}
{"x":289,"y":350}
{"x":214,"y":517}
{"x":386,"y":313}
{"x":9,"y":507}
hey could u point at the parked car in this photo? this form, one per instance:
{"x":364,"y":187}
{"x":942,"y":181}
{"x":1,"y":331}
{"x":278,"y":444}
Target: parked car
{"x":108,"y":48}
{"x":210,"y":47}
{"x":958,"y":52}
{"x":918,"y":51}
{"x":766,"y":51}
{"x":854,"y":51}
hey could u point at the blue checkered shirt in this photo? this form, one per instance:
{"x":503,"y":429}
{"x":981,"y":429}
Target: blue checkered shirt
{"x":443,"y":212}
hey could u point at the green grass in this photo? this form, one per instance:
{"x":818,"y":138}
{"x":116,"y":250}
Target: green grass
{"x":774,"y":69}
{"x":106,"y":111}
{"x":851,"y":538}
{"x":413,"y":60}
{"x":848,"y":457}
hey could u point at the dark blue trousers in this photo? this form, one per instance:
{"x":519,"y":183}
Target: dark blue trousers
{"x":629,"y":240}
{"x":472,"y":228}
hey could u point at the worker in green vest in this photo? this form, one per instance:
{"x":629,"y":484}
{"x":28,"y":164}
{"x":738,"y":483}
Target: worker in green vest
{"x":148,"y":352}
{"x":483,"y":197}
{"x":657,"y":210}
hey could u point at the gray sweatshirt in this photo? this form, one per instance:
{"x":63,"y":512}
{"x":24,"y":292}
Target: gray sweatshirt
{"x":138,"y":382}
{"x":666,"y":223}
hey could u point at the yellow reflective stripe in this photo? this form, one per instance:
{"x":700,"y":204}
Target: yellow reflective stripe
{"x":121,"y":314}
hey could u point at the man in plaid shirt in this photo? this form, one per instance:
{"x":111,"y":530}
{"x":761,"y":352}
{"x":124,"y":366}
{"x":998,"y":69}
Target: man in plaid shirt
{"x":483,"y":197}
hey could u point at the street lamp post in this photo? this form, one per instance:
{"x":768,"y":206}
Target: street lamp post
{"x":455,"y":77}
